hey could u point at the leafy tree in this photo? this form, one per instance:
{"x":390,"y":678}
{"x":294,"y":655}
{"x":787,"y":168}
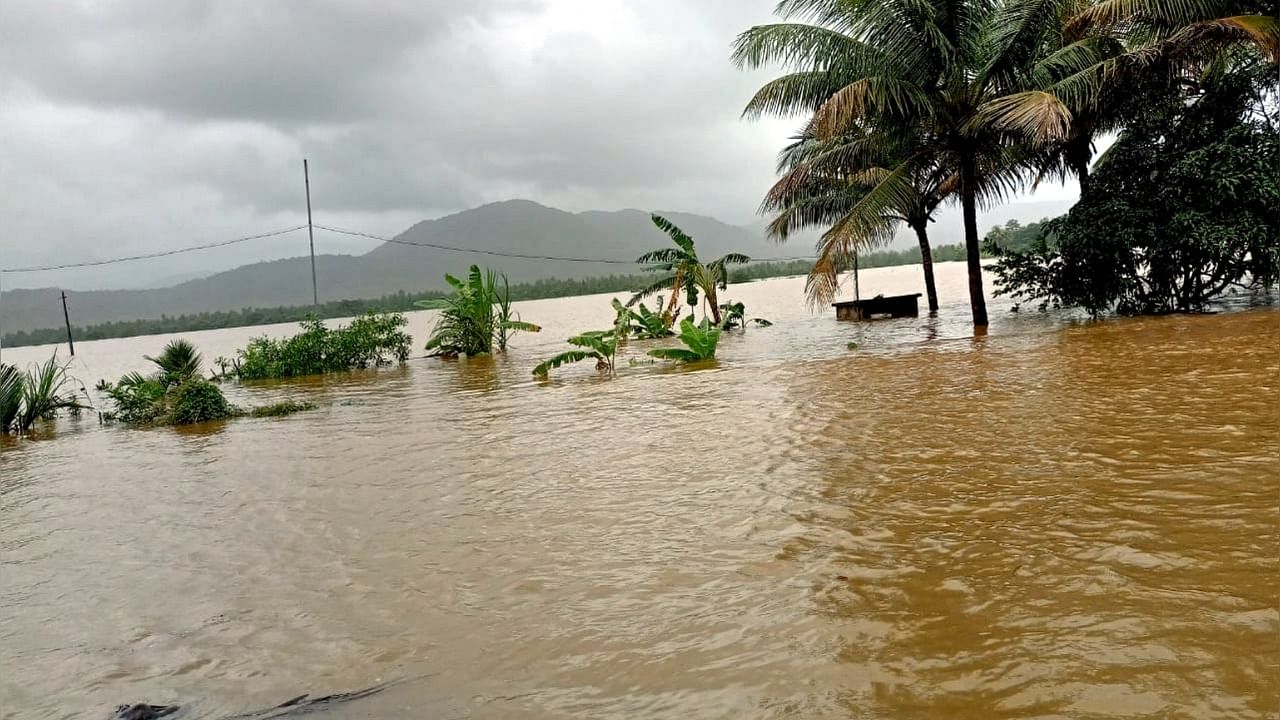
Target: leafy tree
{"x":1184,"y":206}
{"x":683,"y":272}
{"x":475,"y":317}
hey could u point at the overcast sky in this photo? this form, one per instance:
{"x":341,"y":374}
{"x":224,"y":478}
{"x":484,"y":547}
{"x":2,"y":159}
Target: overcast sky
{"x":132,"y":127}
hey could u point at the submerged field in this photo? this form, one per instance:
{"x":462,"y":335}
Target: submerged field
{"x":1059,"y":520}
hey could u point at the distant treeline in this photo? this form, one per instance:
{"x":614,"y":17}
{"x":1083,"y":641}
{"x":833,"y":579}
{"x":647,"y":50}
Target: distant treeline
{"x":402,"y":301}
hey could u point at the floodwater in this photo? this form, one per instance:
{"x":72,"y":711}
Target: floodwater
{"x":1061,"y":519}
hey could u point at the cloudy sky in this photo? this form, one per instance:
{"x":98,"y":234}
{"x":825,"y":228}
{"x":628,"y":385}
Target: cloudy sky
{"x":133,"y":127}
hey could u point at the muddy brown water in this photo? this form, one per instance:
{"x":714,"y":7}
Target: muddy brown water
{"x":1059,"y":520}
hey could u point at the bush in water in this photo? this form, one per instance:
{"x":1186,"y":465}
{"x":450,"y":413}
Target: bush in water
{"x":368,"y":340}
{"x":196,"y":401}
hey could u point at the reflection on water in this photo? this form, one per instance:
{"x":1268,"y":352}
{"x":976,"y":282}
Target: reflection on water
{"x":1058,"y":520}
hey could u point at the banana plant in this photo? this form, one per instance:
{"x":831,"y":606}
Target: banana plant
{"x":644,"y":323}
{"x":475,"y":317}
{"x":601,"y":345}
{"x":700,"y":343}
{"x":733,"y":315}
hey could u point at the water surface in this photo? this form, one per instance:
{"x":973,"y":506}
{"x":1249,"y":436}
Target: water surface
{"x":1061,"y":519}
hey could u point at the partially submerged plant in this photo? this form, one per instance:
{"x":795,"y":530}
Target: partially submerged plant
{"x":280,"y":409}
{"x":174,"y":395}
{"x":37,"y":394}
{"x":682,"y":271}
{"x":475,"y":317}
{"x":600,"y":345}
{"x":367,"y":341}
{"x":646,"y":324}
{"x":734,"y":315}
{"x":700,"y":343}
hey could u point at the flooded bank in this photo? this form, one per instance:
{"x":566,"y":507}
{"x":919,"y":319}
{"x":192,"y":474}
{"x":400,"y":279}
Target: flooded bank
{"x":1059,"y":520}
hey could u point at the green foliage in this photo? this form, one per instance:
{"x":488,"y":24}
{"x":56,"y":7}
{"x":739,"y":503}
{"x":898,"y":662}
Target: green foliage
{"x":1182,"y":208}
{"x":10,"y":396}
{"x":1014,"y":237}
{"x":195,"y":401}
{"x":179,"y":358}
{"x":700,"y":343}
{"x":281,"y":409}
{"x":600,"y":345}
{"x":138,"y":400}
{"x":681,"y":271}
{"x":369,"y":340}
{"x":42,"y":392}
{"x":476,"y":316}
{"x":644,"y":323}
{"x":734,"y":315}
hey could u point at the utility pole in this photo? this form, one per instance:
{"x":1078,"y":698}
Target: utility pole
{"x":856,"y":295}
{"x":66,"y":317}
{"x":311,"y":235}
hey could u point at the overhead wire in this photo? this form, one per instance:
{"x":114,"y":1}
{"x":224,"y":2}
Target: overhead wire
{"x":500,"y":253}
{"x":353,"y":233}
{"x":148,"y":256}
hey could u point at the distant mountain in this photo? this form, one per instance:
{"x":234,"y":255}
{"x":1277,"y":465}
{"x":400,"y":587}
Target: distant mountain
{"x":515,"y":226}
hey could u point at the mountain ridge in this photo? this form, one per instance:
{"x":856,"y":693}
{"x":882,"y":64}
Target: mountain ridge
{"x":516,"y":226}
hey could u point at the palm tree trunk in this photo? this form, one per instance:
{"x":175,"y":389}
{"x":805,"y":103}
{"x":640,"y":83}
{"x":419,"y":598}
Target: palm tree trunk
{"x":969,"y":203}
{"x":926,"y":262}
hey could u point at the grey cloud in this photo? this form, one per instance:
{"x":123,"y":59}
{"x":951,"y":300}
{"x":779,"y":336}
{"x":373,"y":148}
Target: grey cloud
{"x":132,"y":127}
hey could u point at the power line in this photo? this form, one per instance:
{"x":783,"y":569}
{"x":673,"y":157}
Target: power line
{"x":498,"y":253}
{"x":147,"y":256}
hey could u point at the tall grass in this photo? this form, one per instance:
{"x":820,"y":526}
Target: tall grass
{"x":42,"y":392}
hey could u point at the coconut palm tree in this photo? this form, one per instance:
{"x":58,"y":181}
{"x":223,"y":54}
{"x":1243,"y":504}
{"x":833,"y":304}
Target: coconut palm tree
{"x":682,"y":271}
{"x":822,"y":183}
{"x":966,"y":77}
{"x":179,"y":360}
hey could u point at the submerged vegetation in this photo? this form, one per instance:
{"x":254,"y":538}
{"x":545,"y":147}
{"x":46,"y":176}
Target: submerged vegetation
{"x":176,"y":394}
{"x":370,"y":340}
{"x":682,"y":271}
{"x":41,"y":392}
{"x":476,"y":317}
{"x":599,"y":345}
{"x":281,"y":409}
{"x":699,"y":343}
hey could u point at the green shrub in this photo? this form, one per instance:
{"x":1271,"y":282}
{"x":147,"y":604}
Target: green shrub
{"x":475,"y":317}
{"x":138,"y":400}
{"x":280,"y":409}
{"x":196,"y":401}
{"x":367,"y":341}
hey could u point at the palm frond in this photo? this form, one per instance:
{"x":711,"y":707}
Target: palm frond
{"x":1037,"y":114}
{"x":543,"y":368}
